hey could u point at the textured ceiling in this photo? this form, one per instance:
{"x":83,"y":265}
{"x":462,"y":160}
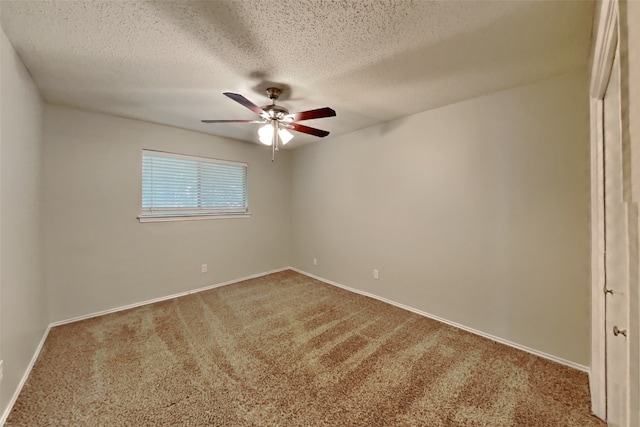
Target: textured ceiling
{"x":371,"y":60}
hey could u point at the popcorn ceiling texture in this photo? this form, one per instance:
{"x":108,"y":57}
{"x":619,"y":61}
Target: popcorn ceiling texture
{"x":372,"y":61}
{"x":287,"y":350}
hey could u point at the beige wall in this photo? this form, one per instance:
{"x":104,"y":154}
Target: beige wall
{"x":23,"y":307}
{"x":98,"y":256}
{"x":477,"y":212}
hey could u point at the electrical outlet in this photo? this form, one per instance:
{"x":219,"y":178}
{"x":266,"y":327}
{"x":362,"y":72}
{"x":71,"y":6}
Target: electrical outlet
{"x":376,"y":274}
{"x":315,"y":261}
{"x":203,"y":269}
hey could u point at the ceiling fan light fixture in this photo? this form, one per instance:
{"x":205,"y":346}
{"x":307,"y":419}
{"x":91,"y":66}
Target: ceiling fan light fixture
{"x":265,"y":134}
{"x":285,"y":136}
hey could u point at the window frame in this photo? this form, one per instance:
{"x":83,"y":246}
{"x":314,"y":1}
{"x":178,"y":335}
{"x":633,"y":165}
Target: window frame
{"x":162,"y":214}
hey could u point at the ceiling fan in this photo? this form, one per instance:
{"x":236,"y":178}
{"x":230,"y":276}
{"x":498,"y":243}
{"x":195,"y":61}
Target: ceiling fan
{"x":277,"y":120}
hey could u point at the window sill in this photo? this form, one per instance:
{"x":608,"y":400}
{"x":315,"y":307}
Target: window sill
{"x":166,"y":218}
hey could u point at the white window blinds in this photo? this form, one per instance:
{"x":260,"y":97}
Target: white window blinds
{"x":179,"y":185}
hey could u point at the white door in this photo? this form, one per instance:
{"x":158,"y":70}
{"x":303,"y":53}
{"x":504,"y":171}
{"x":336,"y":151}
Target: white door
{"x":616,"y":256}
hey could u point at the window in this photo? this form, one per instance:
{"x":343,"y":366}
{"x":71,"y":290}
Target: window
{"x":188,"y":187}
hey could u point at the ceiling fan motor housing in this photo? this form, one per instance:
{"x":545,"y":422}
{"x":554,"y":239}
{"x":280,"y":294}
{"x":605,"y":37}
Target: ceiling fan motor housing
{"x":275,"y":111}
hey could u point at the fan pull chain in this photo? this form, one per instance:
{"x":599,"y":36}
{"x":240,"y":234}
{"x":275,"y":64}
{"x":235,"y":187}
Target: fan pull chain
{"x":274,"y":146}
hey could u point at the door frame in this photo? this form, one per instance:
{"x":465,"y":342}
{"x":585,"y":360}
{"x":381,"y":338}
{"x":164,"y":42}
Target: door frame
{"x":604,"y":47}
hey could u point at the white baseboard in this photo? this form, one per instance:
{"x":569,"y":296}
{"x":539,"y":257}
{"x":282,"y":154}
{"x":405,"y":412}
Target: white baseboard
{"x":154,"y":300}
{"x":23,"y":381}
{"x":449,"y":322}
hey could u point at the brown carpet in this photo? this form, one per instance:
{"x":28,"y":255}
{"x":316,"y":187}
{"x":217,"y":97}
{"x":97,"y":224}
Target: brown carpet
{"x":287,"y":350}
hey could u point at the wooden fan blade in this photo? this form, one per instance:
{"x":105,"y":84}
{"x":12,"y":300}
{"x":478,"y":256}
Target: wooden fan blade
{"x":311,"y":114}
{"x":306,"y":129}
{"x":232,"y":121}
{"x":246,"y":103}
